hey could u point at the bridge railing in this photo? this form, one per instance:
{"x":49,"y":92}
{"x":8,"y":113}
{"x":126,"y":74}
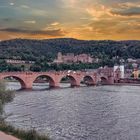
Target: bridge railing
{"x":106,"y":72}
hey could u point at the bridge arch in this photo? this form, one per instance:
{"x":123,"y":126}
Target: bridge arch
{"x":104,"y":80}
{"x":44,"y":79}
{"x":20,"y":80}
{"x":69,"y":79}
{"x":88,"y":80}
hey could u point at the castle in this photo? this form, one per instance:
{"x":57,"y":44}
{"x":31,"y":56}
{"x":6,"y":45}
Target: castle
{"x":71,"y":58}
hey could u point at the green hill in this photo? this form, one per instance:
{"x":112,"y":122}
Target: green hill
{"x":36,"y":49}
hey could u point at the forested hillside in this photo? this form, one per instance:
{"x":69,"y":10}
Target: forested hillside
{"x":48,"y":49}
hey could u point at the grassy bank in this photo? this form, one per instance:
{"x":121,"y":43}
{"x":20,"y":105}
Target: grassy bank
{"x":5,"y":97}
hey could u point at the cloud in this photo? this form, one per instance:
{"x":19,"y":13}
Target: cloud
{"x":7,"y":19}
{"x":25,"y":6}
{"x":69,"y":3}
{"x":121,"y":13}
{"x":126,"y":12}
{"x":104,"y":26}
{"x":98,"y":11}
{"x":126,"y":9}
{"x":118,"y":21}
{"x":55,"y":23}
{"x":54,"y":33}
{"x":38,"y":12}
{"x":12,"y":4}
{"x":30,"y":22}
{"x":118,"y":28}
{"x":84,"y":18}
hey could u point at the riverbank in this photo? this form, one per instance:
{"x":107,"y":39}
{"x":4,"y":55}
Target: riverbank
{"x":21,"y":134}
{"x":5,"y":97}
{"x":126,"y":84}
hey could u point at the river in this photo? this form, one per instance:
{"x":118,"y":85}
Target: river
{"x":85,"y":113}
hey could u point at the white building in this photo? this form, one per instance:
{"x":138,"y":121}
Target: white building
{"x":121,"y":68}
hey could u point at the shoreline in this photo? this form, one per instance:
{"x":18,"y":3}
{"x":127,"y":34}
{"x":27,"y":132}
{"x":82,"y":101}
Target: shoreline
{"x":126,"y":84}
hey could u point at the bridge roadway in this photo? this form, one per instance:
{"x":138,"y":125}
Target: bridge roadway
{"x":27,"y":79}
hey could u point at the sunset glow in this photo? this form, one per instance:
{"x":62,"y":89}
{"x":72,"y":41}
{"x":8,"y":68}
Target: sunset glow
{"x":81,"y":19}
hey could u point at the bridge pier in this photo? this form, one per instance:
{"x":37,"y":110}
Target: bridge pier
{"x":75,"y":84}
{"x":28,"y":86}
{"x":54,"y":85}
{"x":111,"y":80}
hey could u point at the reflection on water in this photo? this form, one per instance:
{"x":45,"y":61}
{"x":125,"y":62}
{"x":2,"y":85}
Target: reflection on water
{"x":36,"y":86}
{"x":13,"y":85}
{"x":86,"y":113}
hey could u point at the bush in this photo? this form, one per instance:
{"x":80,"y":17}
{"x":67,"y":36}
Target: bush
{"x":21,"y":134}
{"x":5,"y":95}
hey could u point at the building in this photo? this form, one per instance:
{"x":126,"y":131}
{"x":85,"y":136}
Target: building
{"x":121,"y":69}
{"x":130,"y":60}
{"x":12,"y":61}
{"x":71,"y":58}
{"x":136,"y":73}
{"x":20,"y":63}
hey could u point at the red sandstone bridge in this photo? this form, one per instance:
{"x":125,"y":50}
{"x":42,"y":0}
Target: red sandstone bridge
{"x":27,"y":79}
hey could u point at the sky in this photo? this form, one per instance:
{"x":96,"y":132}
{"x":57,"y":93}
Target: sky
{"x":80,"y":19}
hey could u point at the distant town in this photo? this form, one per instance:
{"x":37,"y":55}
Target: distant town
{"x":133,"y":65}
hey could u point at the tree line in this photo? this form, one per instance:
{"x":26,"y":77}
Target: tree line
{"x":44,"y":52}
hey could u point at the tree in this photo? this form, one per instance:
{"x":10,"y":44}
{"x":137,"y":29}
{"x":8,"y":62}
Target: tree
{"x":22,"y":67}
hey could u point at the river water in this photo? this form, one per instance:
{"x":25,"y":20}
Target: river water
{"x":85,"y":113}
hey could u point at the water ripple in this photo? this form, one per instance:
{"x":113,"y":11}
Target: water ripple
{"x":89,"y":113}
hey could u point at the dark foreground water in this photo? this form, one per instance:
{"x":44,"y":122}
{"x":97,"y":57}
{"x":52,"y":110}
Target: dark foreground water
{"x":86,"y":113}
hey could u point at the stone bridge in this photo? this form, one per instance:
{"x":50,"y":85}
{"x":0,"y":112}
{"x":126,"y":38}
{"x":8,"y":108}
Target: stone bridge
{"x":27,"y":79}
